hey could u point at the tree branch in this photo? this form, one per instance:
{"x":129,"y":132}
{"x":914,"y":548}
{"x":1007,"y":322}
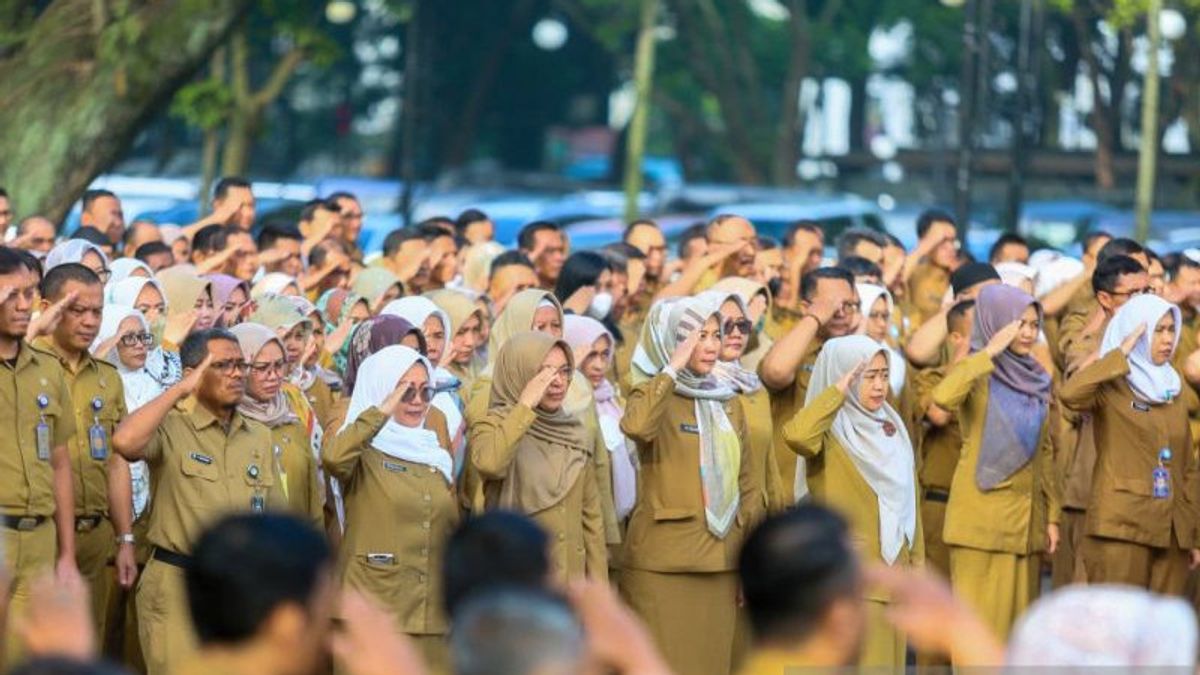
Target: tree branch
{"x":283,"y":71}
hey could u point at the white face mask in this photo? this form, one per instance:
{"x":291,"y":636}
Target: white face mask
{"x":601,"y":305}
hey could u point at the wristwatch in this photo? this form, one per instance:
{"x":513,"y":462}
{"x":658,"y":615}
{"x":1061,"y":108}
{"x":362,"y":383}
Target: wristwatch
{"x":125,"y":539}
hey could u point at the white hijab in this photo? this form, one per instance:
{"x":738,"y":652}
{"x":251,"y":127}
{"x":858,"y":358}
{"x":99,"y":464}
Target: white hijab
{"x":868,"y":294}
{"x":273,"y":282}
{"x":416,"y":309}
{"x":123,"y":268}
{"x":72,"y":251}
{"x":885,"y":462}
{"x":377,"y":379}
{"x":1150,"y":383}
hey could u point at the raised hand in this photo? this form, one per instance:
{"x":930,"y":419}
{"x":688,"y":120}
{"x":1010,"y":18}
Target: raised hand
{"x":719,"y":252}
{"x":191,"y":381}
{"x":48,"y":320}
{"x":684,"y":350}
{"x":536,"y":388}
{"x":822,"y":310}
{"x":616,"y":637}
{"x":392,"y":401}
{"x":335,"y":340}
{"x":1002,"y":339}
{"x":1130,"y":342}
{"x":580,"y":300}
{"x":59,"y":620}
{"x":370,"y":642}
{"x":178,"y":326}
{"x":846,"y":380}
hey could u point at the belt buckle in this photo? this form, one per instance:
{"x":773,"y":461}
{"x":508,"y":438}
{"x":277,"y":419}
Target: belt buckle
{"x":27,"y":523}
{"x":85,"y":524}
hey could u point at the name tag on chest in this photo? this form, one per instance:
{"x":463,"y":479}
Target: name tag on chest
{"x":1139,"y":406}
{"x":689,"y":429}
{"x":395,"y":468}
{"x":203,"y":459}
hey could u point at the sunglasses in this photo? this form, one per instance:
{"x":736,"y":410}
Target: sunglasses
{"x":743,"y":326}
{"x":134,"y":339}
{"x":413,"y":393}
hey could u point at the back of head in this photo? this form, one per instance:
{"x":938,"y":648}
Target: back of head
{"x":507,"y":259}
{"x":849,"y":240}
{"x":860,"y":267}
{"x":499,"y":549}
{"x":793,"y":568}
{"x":468,"y":218}
{"x":1119,"y":246}
{"x":226,"y":183}
{"x":1110,"y":270}
{"x":972,"y":274}
{"x":91,"y":234}
{"x":246,"y":567}
{"x":582,"y":268}
{"x":517,"y":632}
{"x":931,"y":216}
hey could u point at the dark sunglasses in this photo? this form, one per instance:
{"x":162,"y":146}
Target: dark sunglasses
{"x":133,"y":339}
{"x":743,"y":326}
{"x":413,"y":393}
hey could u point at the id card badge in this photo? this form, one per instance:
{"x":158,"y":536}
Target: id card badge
{"x":257,"y":503}
{"x":98,"y":442}
{"x":1161,"y":476}
{"x":42,"y":430}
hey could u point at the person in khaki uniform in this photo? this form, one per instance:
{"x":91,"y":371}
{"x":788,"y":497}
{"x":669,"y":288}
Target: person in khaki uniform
{"x":388,"y":462}
{"x":926,"y":270}
{"x":267,"y":402}
{"x":96,"y":386}
{"x":37,"y":499}
{"x":536,"y":457}
{"x":206,"y":460}
{"x":1145,"y":498}
{"x":860,"y":462}
{"x":680,"y":551}
{"x":830,"y":305}
{"x":1004,"y":505}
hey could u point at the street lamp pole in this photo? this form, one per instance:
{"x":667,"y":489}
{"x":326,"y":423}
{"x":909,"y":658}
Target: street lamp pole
{"x":1148,"y":148}
{"x":643,"y":75}
{"x":1027,"y":112}
{"x":966,"y":115}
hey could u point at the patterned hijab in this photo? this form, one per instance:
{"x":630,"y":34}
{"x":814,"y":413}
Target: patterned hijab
{"x":252,"y":338}
{"x":373,"y":335}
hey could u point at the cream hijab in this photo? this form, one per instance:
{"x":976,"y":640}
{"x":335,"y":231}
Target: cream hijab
{"x":252,"y":337}
{"x":1150,"y":383}
{"x":552,"y":454}
{"x":459,"y":309}
{"x":868,"y":295}
{"x":182,"y":288}
{"x":885,"y":462}
{"x":377,"y":379}
{"x":516,"y":318}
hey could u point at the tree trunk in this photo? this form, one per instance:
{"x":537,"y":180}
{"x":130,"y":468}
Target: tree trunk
{"x":64,"y":121}
{"x":787,"y":130}
{"x":243,"y":126}
{"x":208,"y":167}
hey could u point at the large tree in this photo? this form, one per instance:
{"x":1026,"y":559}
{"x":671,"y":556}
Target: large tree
{"x":79,"y":79}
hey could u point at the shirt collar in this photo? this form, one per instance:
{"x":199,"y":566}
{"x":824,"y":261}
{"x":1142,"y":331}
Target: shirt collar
{"x":48,"y":345}
{"x":202,"y":417}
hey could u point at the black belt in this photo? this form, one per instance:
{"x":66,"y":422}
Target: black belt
{"x":87,"y":523}
{"x":172,"y":558}
{"x":22,"y":523}
{"x":940,"y":496}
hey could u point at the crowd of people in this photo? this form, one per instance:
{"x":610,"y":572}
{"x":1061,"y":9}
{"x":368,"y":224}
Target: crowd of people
{"x":238,"y":437}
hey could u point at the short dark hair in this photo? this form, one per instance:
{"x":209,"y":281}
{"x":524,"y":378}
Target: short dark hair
{"x":692,"y":233}
{"x":767,"y":243}
{"x":248,"y":565}
{"x":318,"y":254}
{"x":209,"y":239}
{"x":3,"y":193}
{"x":340,"y":194}
{"x":930,"y":216}
{"x":444,"y":225}
{"x":793,"y":567}
{"x":957,"y":316}
{"x":625,"y":250}
{"x":467,"y":218}
{"x":194,"y":349}
{"x":499,"y":549}
{"x":10,"y":260}
{"x":893,"y":240}
{"x":860,"y":267}
{"x":273,"y":232}
{"x":31,"y":262}
{"x":129,"y":232}
{"x":58,"y":276}
{"x":640,"y":222}
{"x":508,"y":259}
{"x":789,"y":237}
{"x":226,"y":183}
{"x":808,"y":283}
{"x":1091,"y":237}
{"x":851,"y":238}
{"x":1110,"y":270}
{"x":1119,"y":246}
{"x":528,"y":235}
{"x":92,"y":235}
{"x":1006,"y":239}
{"x":150,"y":248}
{"x":309,"y":210}
{"x":393,"y":240}
{"x":90,"y":197}
{"x":582,"y":268}
{"x":1174,"y":262}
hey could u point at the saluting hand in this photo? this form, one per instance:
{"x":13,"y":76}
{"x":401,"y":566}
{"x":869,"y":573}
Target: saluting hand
{"x":335,"y":340}
{"x":191,"y":382}
{"x":1002,"y":339}
{"x":848,"y":379}
{"x":536,"y":388}
{"x":1130,"y":342}
{"x":684,"y":350}
{"x":178,"y":326}
{"x":389,"y":405}
{"x":48,"y":320}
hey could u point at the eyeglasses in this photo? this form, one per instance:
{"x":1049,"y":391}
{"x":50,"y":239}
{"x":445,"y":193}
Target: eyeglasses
{"x":230,"y":366}
{"x":1137,"y":291}
{"x":134,"y":339}
{"x":879,"y":316}
{"x":277,"y":367}
{"x":104,"y":273}
{"x":424,"y":393}
{"x":743,"y":326}
{"x":849,"y":308}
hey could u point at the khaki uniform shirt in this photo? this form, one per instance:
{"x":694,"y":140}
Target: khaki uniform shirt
{"x":27,"y":481}
{"x":1012,"y":517}
{"x":297,"y":469}
{"x":940,"y":446}
{"x":399,"y":515}
{"x":668,"y":531}
{"x":95,"y":381}
{"x":785,"y":403}
{"x":759,"y":451}
{"x":200,"y":472}
{"x":1129,"y":436}
{"x":926,"y":290}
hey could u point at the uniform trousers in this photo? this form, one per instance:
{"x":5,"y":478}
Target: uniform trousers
{"x":94,"y":549}
{"x":164,"y":620}
{"x":27,"y":554}
{"x":691,"y":616}
{"x":1113,"y":561}
{"x":999,"y":586}
{"x":1069,"y":565}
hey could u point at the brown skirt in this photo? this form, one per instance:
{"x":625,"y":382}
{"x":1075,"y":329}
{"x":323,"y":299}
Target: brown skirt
{"x":691,"y":616}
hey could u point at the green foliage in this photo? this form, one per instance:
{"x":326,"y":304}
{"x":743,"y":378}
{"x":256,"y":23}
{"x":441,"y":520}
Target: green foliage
{"x":205,"y":104}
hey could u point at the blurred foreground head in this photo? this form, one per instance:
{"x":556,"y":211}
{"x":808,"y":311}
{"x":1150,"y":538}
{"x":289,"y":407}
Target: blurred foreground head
{"x":498,"y":550}
{"x":517,"y":632}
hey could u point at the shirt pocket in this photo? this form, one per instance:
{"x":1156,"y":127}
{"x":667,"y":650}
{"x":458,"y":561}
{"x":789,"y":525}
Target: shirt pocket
{"x":199,"y":466}
{"x":1133,"y":486}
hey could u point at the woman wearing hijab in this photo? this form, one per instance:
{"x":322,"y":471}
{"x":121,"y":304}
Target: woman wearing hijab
{"x":536,"y":458}
{"x":463,"y":339}
{"x":397,"y":478}
{"x":146,"y":296}
{"x":678,"y":569}
{"x":378,"y":285}
{"x":312,"y":365}
{"x":265,"y":401}
{"x":1005,"y":501}
{"x":860,"y":462}
{"x":592,"y":346}
{"x":188,"y":296}
{"x":368,"y":338}
{"x":277,"y":283}
{"x":123,"y":268}
{"x":876,"y":308}
{"x":338,"y":306}
{"x":78,"y":251}
{"x":1142,"y":516}
{"x":758,"y":300}
{"x":230,"y":297}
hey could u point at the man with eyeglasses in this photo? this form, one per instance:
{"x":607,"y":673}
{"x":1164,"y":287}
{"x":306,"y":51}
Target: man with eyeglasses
{"x":829,"y":305}
{"x":103,"y":494}
{"x":206,"y":461}
{"x":37,"y":502}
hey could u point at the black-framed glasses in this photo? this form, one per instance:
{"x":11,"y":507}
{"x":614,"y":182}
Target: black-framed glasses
{"x":105,"y":274}
{"x":413,"y":393}
{"x":230,"y":366}
{"x":134,"y":339}
{"x":743,"y":326}
{"x":1146,"y":290}
{"x":277,"y":367}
